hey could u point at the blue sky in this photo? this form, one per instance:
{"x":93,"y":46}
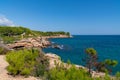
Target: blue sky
{"x":76,"y":16}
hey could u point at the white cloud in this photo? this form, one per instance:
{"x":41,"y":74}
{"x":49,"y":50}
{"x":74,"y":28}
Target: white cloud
{"x":5,"y":21}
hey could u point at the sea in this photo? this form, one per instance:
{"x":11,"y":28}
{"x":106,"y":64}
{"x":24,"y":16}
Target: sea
{"x":73,"y":49}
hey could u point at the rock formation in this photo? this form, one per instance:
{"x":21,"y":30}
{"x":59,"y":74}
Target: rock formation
{"x":38,"y":42}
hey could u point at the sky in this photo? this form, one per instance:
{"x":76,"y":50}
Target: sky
{"x":82,"y":17}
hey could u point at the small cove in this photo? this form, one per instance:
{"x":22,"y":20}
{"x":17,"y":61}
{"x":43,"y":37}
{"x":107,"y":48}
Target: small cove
{"x":107,"y":47}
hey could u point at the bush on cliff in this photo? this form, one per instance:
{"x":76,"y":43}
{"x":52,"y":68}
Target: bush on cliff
{"x":27,"y":62}
{"x":21,"y":62}
{"x":42,"y":64}
{"x":3,"y":49}
{"x":68,"y":74}
{"x":118,"y":75}
{"x":60,"y":72}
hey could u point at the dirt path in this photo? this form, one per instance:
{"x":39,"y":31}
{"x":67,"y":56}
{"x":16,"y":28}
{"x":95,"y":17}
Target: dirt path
{"x":5,"y":76}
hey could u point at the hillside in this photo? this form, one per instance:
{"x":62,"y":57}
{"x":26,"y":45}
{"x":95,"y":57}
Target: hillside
{"x":9,"y":34}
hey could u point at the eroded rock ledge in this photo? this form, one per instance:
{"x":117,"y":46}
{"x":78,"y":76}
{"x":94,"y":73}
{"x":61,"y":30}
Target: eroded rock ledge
{"x":39,"y":42}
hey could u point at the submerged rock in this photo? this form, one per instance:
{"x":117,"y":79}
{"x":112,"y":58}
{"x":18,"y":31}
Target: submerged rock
{"x":57,"y":46}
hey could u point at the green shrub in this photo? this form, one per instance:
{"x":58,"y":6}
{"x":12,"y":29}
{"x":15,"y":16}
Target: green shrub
{"x":27,"y":62}
{"x":72,"y":73}
{"x":118,"y":76}
{"x":40,"y":70}
{"x":1,"y":50}
{"x":25,"y":71}
{"x":42,"y":65}
{"x":7,"y":39}
{"x":21,"y":62}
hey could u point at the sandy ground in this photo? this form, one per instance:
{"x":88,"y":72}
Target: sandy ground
{"x":5,"y":76}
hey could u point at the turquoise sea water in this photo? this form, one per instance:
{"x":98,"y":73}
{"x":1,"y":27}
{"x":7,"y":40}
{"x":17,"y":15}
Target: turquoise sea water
{"x":107,"y":46}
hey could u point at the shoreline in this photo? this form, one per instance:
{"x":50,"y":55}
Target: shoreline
{"x":60,"y":36}
{"x":43,"y":42}
{"x":37,"y":42}
{"x":53,"y":59}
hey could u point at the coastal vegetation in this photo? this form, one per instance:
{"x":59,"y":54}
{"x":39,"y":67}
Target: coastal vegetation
{"x":51,"y":33}
{"x":10,"y":34}
{"x":26,"y":62}
{"x":92,"y":62}
{"x":117,"y":76}
{"x":106,"y":65}
{"x":62,"y":73}
{"x":21,"y":62}
{"x":3,"y":49}
{"x":90,"y":59}
{"x":33,"y":61}
{"x":73,"y":73}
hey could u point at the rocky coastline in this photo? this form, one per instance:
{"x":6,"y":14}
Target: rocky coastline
{"x":43,"y":42}
{"x":37,"y":42}
{"x":55,"y":59}
{"x":29,"y":43}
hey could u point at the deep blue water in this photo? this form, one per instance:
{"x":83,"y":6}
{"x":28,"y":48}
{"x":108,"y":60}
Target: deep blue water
{"x":107,"y":47}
